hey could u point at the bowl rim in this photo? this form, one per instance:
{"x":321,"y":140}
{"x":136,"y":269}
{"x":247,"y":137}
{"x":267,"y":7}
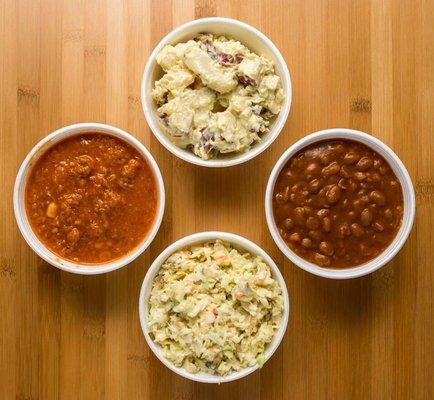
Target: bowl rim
{"x":408,"y":195}
{"x":190,"y":157}
{"x":20,"y":211}
{"x":197,"y":238}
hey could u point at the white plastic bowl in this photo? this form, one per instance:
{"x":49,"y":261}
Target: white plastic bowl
{"x":400,"y":172}
{"x":197,"y":238}
{"x":255,"y":41}
{"x":19,"y":203}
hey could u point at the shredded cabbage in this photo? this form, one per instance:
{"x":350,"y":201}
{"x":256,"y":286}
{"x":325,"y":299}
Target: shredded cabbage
{"x":213,"y":309}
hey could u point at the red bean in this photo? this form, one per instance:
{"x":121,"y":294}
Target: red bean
{"x":377,"y":197}
{"x":323,"y":212}
{"x":332,"y":179}
{"x":279,"y":198}
{"x":322,"y":260}
{"x":373,"y":177}
{"x":360,"y":176}
{"x":378,"y":226}
{"x":288,"y":223}
{"x":345,"y":171}
{"x":307,"y":210}
{"x":344,"y":183}
{"x":388,"y":213}
{"x":364,"y":164}
{"x":321,"y":196}
{"x":312,"y":223}
{"x":356,"y":229}
{"x":325,"y":158}
{"x":326,"y":224}
{"x":315,"y":234}
{"x":353,"y":186}
{"x":283,"y":233}
{"x":331,"y":169}
{"x":351,"y":158}
{"x":307,"y":243}
{"x":295,"y":237}
{"x":366,"y":217}
{"x":326,"y":248}
{"x":366,"y":185}
{"x":364,"y":199}
{"x":344,"y":230}
{"x":299,"y":187}
{"x":338,"y":148}
{"x":315,"y":185}
{"x":298,"y":198}
{"x":299,"y":217}
{"x":333,"y":194}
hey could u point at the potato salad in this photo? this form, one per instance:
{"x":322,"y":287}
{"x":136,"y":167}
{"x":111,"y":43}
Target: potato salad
{"x":216,"y":96}
{"x":213,"y":309}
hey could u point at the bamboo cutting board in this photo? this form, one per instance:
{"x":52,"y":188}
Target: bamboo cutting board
{"x":366,"y":65}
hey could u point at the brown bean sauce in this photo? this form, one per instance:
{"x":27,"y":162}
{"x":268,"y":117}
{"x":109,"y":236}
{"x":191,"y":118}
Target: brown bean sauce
{"x":337,"y":203}
{"x":91,"y":198}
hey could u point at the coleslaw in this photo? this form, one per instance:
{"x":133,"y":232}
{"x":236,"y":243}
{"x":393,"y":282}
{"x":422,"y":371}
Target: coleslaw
{"x":213,"y":309}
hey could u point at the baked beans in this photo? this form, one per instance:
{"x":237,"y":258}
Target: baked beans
{"x":337,"y":203}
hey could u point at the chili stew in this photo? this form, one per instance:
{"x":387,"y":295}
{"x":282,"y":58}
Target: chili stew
{"x":91,"y":198}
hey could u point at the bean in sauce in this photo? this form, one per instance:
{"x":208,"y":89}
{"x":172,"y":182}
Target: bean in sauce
{"x":354,"y":199}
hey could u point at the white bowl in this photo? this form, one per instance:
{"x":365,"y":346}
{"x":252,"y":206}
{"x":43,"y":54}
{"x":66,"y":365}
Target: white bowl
{"x":407,"y":191}
{"x":19,"y":203}
{"x":255,"y":41}
{"x":197,"y":238}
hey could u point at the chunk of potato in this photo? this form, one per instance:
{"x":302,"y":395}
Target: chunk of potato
{"x":52,"y":210}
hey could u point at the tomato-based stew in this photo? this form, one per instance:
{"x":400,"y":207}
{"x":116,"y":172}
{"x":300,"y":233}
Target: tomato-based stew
{"x":337,"y":203}
{"x":91,"y":198}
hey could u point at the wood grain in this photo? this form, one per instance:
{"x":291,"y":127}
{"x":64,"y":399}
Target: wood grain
{"x":360,"y":64}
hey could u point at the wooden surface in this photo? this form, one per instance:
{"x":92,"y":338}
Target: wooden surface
{"x":366,"y":65}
